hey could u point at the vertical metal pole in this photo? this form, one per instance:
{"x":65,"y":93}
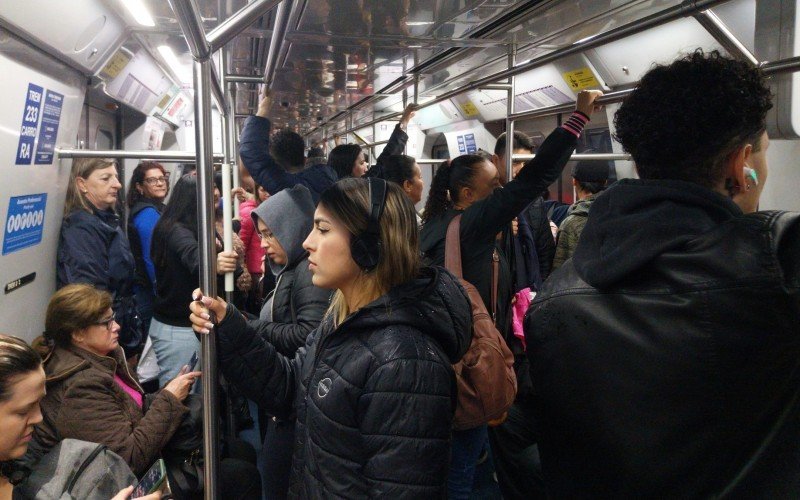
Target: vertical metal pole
{"x":234,"y":145}
{"x":208,"y":267}
{"x":512,"y":60}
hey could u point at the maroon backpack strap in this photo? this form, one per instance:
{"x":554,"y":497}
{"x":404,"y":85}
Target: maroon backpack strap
{"x":452,"y":247}
{"x":495,"y":279}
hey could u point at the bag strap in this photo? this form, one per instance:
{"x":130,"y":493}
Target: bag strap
{"x":87,"y":461}
{"x":452,"y":259}
{"x":452,"y":247}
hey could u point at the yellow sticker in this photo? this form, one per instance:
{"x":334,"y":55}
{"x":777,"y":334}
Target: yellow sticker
{"x":164,"y":101}
{"x":469,"y":109}
{"x":580,"y":79}
{"x":115,"y":65}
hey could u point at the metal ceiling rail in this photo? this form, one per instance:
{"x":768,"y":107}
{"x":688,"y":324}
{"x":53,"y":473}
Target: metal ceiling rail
{"x":230,"y":78}
{"x":716,"y":28}
{"x":118,"y":154}
{"x":608,"y":98}
{"x":217,"y":93}
{"x":684,"y":9}
{"x":788,"y":65}
{"x":188,"y":16}
{"x":278,"y":34}
{"x":238,"y":22}
{"x":585,"y":157}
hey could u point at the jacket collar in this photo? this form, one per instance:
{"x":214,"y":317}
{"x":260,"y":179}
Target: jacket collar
{"x":65,"y":362}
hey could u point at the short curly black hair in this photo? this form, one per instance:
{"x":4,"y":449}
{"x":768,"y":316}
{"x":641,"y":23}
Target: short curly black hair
{"x":683,"y":120}
{"x":288,"y":149}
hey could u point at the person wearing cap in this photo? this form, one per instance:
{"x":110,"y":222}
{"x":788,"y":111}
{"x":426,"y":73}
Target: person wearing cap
{"x":589,"y":179}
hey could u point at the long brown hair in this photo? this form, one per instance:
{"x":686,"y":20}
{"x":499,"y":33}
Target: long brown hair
{"x":348,"y":202}
{"x":83,"y":168}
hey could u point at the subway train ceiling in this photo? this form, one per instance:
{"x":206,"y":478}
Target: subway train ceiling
{"x":337,"y":56}
{"x":338,"y":62}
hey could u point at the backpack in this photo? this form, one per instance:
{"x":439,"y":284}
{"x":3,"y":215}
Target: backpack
{"x":77,"y":470}
{"x":485,"y":375}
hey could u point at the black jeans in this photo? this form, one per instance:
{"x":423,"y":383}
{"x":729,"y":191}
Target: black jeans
{"x":516,"y":456}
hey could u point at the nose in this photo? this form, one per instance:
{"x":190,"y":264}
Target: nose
{"x":36,"y":418}
{"x":264,"y":243}
{"x":308,"y":243}
{"x":115,"y":327}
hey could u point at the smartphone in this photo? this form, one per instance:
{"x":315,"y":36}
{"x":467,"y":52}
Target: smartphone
{"x":192,"y":362}
{"x":152,"y":480}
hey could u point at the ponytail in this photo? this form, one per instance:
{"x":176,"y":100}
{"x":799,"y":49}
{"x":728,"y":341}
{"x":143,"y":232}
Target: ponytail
{"x":438,"y":201}
{"x":449,"y":179}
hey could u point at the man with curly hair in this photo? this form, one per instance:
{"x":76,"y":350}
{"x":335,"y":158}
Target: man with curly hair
{"x":665,"y":354}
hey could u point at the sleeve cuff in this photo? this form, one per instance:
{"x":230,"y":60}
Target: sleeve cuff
{"x":576,"y":123}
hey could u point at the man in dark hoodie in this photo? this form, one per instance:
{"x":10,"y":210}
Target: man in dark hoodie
{"x":278,"y":163}
{"x":665,"y":353}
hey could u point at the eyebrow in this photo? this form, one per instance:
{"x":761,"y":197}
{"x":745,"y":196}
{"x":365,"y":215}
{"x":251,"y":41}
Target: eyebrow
{"x":320,"y":219}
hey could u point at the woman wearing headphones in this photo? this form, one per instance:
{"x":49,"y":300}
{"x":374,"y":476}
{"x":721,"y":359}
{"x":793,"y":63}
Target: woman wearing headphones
{"x":373,"y":388}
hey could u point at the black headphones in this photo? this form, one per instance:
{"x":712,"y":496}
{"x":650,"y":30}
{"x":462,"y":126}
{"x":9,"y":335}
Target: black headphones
{"x":366,"y":247}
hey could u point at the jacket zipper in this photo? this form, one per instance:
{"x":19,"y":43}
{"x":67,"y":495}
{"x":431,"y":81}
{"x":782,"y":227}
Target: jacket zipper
{"x":272,"y":304}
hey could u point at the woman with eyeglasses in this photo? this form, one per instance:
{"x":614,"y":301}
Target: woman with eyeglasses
{"x":93,"y":247}
{"x":91,"y":394}
{"x":149,"y":187}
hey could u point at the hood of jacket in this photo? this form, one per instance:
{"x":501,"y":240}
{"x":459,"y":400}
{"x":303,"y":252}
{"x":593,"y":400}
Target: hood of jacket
{"x":634,"y":221}
{"x":581,"y":207}
{"x":433,"y":303}
{"x":66,"y":362}
{"x":289,"y":215}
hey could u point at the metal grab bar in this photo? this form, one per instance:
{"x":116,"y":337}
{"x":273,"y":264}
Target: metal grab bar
{"x":165,"y":156}
{"x":574,"y":157}
{"x":228,"y":29}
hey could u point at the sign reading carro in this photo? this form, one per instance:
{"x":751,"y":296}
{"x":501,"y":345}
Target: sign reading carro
{"x":42,"y":113}
{"x":25,"y":222}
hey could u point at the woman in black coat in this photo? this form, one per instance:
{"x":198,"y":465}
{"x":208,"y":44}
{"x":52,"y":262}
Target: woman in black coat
{"x":373,"y":388}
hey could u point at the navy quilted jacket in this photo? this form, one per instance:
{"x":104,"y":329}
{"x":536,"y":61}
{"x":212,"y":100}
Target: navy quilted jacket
{"x":374,"y":398}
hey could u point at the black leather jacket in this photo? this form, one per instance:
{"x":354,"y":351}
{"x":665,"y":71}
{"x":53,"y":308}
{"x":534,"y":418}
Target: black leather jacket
{"x":666,"y":354}
{"x":374,"y":398}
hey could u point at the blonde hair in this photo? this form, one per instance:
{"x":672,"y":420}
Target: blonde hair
{"x":83,"y":168}
{"x":73,"y":308}
{"x":348,"y":202}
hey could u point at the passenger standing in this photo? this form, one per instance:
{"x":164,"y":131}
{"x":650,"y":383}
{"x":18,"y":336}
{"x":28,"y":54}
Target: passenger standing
{"x":93,"y":248}
{"x":589,"y":179}
{"x":278,"y":162}
{"x":373,"y":387}
{"x":404,"y":171}
{"x":148,"y":189}
{"x":348,"y":160}
{"x":176,"y":257}
{"x":253,"y":252}
{"x":469,"y":185}
{"x":665,"y":353}
{"x":291,"y":312}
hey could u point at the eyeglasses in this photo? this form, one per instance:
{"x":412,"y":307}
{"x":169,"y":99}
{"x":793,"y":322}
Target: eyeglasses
{"x":268,"y":236}
{"x":108,"y":322}
{"x":153,"y":181}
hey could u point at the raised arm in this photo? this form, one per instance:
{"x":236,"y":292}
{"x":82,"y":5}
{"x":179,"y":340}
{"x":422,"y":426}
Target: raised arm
{"x":254,"y":152}
{"x":486,"y":218}
{"x":399,"y":138}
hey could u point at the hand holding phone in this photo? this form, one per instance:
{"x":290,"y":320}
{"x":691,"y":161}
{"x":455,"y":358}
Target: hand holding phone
{"x":152,"y":480}
{"x":192,"y":362}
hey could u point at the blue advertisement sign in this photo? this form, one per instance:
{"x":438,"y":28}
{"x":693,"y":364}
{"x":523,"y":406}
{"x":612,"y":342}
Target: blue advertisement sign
{"x":30,"y":122}
{"x":472,"y":146}
{"x":25,"y":222}
{"x":51,"y":115}
{"x":461,"y":147}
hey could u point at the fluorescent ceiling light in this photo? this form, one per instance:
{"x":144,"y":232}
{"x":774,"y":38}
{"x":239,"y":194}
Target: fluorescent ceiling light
{"x":174,"y":64}
{"x":419,"y":23}
{"x":139,"y":11}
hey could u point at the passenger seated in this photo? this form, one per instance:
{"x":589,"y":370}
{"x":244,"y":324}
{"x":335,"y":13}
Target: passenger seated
{"x":91,"y":395}
{"x":278,"y":162}
{"x":373,"y":388}
{"x":469,"y":185}
{"x":665,"y":353}
{"x":589,"y":179}
{"x":22,"y":387}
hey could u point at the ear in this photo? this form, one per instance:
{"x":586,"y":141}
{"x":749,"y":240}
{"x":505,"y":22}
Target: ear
{"x":77,"y":337}
{"x":496,"y":161}
{"x":139,"y":188}
{"x":80,"y":183}
{"x":407,"y":186}
{"x":465,"y":194}
{"x":734,"y":167}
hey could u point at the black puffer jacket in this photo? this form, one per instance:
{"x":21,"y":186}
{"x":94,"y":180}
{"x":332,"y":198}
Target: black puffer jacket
{"x":297,"y":308}
{"x":374,"y":398}
{"x":666,"y":352}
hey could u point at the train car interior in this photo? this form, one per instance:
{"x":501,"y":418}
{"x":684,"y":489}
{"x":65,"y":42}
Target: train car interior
{"x":174,"y":81}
